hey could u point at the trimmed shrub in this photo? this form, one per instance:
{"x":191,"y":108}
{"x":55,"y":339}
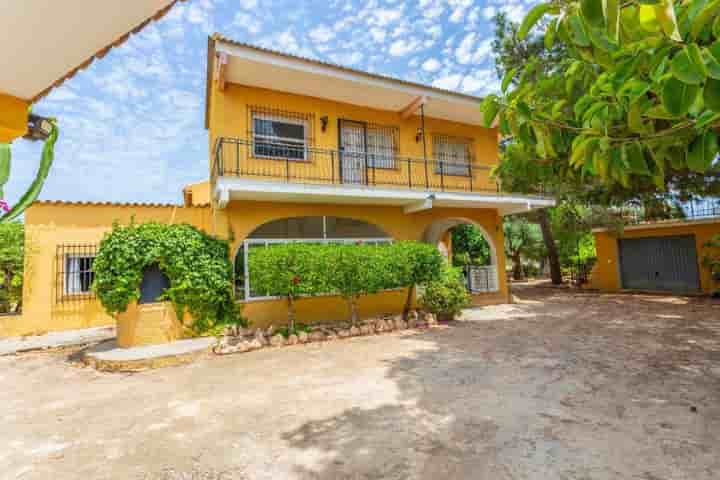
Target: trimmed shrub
{"x":447,"y":295}
{"x":196,"y":264}
{"x":349,"y":270}
{"x":289,"y":270}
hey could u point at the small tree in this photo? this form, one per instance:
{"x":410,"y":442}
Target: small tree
{"x":356,"y":270}
{"x":415,"y":263}
{"x":12,"y":246}
{"x":446,"y":295}
{"x":711,"y":257}
{"x":522,"y":240}
{"x":289,"y":270}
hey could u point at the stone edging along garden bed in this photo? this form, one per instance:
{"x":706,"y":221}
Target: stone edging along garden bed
{"x":239,"y":340}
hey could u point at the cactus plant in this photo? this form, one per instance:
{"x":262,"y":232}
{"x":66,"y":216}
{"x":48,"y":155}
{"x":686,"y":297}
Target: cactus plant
{"x":36,"y":186}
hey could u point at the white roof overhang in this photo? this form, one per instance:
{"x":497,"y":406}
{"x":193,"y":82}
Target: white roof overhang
{"x":45,"y":42}
{"x":259,"y":67}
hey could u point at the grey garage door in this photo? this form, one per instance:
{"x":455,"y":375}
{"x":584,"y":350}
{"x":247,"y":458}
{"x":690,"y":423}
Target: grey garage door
{"x":659,"y":263}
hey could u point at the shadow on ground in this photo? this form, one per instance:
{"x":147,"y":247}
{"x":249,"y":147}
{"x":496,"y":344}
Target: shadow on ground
{"x":561,"y":385}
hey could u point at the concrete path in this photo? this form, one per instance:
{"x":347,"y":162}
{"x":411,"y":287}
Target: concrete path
{"x":66,"y":338}
{"x":561,"y":385}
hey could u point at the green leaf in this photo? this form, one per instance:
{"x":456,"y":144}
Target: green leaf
{"x":665,"y":13}
{"x":577,"y":31}
{"x":707,"y":118}
{"x":687,"y":65}
{"x":711,"y":56}
{"x":633,"y":155}
{"x":507,"y":79}
{"x":678,"y":97}
{"x":592,"y":12}
{"x":704,"y":18}
{"x":634,"y":119}
{"x":648,"y":18}
{"x":711,"y":95}
{"x":716,"y":28}
{"x":533,"y":16}
{"x":5,"y":157}
{"x":489,"y":109}
{"x":612,"y":15}
{"x":634,"y":89}
{"x":702,"y":152}
{"x":550,"y":34}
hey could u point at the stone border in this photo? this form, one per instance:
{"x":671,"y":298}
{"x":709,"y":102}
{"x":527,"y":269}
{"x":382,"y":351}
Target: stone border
{"x":240,"y":340}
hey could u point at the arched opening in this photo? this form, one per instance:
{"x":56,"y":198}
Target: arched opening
{"x":315,"y":229}
{"x":467,"y":245}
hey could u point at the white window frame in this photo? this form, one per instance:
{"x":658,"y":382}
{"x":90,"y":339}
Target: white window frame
{"x":272,"y":139}
{"x":72,"y":277}
{"x":268,"y":241}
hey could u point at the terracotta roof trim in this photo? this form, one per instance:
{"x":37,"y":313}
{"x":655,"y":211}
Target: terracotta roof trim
{"x":109,"y":204}
{"x":104,"y":51}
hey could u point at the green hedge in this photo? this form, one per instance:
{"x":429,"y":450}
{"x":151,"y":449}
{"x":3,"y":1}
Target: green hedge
{"x":196,"y":264}
{"x":348,"y":269}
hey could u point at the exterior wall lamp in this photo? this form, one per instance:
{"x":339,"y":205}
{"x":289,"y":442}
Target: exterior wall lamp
{"x":323,"y":123}
{"x":419,"y":135}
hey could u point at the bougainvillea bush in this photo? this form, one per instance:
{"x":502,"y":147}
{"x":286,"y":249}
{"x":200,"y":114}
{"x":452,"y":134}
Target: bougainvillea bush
{"x":196,"y":264}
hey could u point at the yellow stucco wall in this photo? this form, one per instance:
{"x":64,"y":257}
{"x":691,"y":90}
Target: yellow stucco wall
{"x":229,"y":116}
{"x":13,"y":117}
{"x":148,"y":324}
{"x":606,"y":273}
{"x":244,"y":217}
{"x":48,"y":225}
{"x":52,"y":224}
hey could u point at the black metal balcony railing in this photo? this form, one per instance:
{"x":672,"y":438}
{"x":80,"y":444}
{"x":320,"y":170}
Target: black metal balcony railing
{"x":292,"y":163}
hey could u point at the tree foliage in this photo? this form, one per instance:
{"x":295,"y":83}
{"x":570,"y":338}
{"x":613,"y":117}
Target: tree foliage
{"x":633,"y":107}
{"x":447,"y":294}
{"x":523,"y":241}
{"x":469,"y":246}
{"x":12,"y":255}
{"x":196,"y":264}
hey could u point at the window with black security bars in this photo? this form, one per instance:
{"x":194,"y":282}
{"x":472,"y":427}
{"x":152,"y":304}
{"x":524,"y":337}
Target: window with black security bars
{"x":280,"y":134}
{"x":74,"y":272}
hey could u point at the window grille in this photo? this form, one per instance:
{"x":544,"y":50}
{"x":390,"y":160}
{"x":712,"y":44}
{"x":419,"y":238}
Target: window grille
{"x":382,"y":146}
{"x":453,"y":155}
{"x":74,"y":272}
{"x":279,"y":134}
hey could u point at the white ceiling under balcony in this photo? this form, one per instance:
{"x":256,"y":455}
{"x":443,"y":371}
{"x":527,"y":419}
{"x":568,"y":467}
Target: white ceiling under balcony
{"x":44,"y":42}
{"x":259,"y":67}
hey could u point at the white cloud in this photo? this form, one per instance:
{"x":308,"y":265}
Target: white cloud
{"x":248,"y":4}
{"x":431,"y":65}
{"x":321,"y":34}
{"x":448,"y":82}
{"x":515,"y":13}
{"x":378,"y":34}
{"x":488,"y":12}
{"x":481,"y":81}
{"x":467,"y":52}
{"x":287,"y":42}
{"x":247,"y":22}
{"x":347,"y":58}
{"x":384,"y":16}
{"x":403,"y":47}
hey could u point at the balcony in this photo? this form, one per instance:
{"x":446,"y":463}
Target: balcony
{"x":244,"y":169}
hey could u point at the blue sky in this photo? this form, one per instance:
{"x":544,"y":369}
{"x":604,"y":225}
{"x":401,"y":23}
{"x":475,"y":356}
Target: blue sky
{"x":132,"y":123}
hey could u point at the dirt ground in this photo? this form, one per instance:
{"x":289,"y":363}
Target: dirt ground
{"x":558,"y":386}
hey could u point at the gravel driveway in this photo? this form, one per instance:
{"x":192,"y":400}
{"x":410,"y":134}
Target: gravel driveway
{"x":557,"y":386}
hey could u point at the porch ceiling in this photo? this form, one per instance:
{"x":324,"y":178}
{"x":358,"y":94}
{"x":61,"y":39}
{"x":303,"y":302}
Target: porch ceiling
{"x":44,"y":42}
{"x":259,"y":67}
{"x":228,"y":189}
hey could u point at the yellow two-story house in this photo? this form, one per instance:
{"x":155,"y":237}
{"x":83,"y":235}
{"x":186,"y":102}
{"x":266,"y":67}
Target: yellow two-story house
{"x":299,"y":150}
